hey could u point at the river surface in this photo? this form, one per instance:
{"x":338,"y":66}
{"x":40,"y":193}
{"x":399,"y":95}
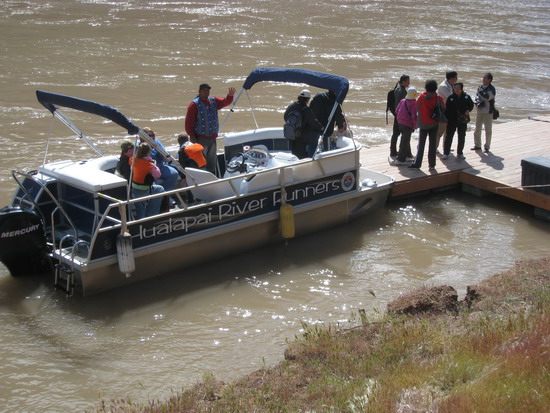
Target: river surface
{"x":229,"y":317}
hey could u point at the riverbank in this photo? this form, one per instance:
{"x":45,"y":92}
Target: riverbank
{"x":429,"y":352}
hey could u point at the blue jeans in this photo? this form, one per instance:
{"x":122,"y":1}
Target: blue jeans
{"x":169,"y":176}
{"x":150,"y":207}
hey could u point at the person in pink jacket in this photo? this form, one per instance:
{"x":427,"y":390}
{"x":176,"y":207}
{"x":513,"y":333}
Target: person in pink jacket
{"x":406,"y":116}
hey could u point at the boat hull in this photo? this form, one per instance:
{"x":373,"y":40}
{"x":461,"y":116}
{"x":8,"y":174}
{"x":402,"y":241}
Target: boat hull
{"x":175,"y":254}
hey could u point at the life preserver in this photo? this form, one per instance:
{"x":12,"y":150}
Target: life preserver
{"x":141,"y":175}
{"x":195,"y":153}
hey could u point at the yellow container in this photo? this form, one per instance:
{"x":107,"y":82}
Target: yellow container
{"x":287,"y":221}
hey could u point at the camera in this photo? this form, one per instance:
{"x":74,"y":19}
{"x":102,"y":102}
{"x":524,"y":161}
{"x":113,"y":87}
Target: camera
{"x":479,"y":103}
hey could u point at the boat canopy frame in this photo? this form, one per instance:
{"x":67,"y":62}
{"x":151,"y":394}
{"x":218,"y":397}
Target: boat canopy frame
{"x":335,"y":83}
{"x":51,"y":100}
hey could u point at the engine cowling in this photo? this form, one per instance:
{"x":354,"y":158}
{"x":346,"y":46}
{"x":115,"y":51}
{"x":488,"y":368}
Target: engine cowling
{"x":23,"y":247}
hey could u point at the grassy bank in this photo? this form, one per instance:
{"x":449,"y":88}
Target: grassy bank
{"x":428,"y":353}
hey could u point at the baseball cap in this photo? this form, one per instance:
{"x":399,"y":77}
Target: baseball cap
{"x":204,"y":86}
{"x":305,"y":94}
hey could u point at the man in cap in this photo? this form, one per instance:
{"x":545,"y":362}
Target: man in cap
{"x":310,"y":126}
{"x":201,"y":122}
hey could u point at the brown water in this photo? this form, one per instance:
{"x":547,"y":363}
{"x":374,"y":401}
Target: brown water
{"x":232,"y":316}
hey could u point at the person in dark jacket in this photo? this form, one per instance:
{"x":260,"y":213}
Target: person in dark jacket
{"x":399,"y":93}
{"x":123,"y":164}
{"x":321,"y":106}
{"x":458,"y":108}
{"x":310,"y":128}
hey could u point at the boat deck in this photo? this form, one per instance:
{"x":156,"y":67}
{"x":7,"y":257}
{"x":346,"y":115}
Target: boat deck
{"x":498,"y":171}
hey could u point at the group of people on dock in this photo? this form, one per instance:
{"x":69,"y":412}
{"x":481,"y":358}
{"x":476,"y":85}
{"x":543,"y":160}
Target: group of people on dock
{"x":438,"y":113}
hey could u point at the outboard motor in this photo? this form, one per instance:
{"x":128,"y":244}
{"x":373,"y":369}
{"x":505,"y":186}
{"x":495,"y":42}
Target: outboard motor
{"x":23,"y":247}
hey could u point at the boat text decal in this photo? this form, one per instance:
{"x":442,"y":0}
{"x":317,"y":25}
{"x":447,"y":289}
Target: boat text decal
{"x":221,"y":213}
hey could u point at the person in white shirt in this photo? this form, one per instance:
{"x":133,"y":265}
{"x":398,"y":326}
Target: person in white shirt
{"x":445,"y":90}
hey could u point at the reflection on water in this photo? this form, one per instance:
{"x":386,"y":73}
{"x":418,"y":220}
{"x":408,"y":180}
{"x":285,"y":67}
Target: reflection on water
{"x":232,"y":316}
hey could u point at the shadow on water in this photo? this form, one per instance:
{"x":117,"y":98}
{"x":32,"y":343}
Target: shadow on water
{"x":259,"y":264}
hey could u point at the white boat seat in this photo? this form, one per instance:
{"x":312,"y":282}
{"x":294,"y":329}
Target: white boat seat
{"x":214,"y":190}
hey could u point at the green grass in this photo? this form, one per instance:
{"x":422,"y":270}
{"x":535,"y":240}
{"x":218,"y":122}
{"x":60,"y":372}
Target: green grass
{"x":491,"y":356}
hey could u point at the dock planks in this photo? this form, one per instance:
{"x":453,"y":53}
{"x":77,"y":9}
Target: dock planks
{"x":498,"y":171}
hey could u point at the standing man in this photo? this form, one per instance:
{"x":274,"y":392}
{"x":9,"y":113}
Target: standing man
{"x":399,"y":93}
{"x":485,"y":102}
{"x":445,"y":90}
{"x":310,"y":127}
{"x":321,"y":106}
{"x":201,"y":122}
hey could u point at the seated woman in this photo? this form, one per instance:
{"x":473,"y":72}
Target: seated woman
{"x":168,"y":173}
{"x":145,"y":171}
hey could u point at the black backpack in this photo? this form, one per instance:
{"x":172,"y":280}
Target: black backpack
{"x":390,"y":102}
{"x":292,"y":128}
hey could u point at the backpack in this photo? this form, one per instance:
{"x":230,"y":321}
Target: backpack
{"x":292,"y":128}
{"x":390,"y":103}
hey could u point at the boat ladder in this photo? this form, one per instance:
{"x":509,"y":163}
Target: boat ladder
{"x":64,"y":273}
{"x":64,"y":279}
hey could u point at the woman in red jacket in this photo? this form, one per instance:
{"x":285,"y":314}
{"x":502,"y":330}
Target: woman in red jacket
{"x":426,"y":125}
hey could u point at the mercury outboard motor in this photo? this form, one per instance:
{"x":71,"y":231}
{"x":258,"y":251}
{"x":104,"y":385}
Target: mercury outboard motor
{"x":23,"y":247}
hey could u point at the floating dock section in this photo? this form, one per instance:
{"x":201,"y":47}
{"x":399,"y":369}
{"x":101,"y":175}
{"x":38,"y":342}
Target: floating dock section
{"x":519,"y":150}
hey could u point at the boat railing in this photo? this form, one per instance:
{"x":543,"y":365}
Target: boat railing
{"x":58,"y":206}
{"x":284,"y":175}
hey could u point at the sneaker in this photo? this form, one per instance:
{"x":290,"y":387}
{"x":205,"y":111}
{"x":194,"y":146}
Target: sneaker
{"x":395,"y":162}
{"x":461,"y":156}
{"x":431,"y":168}
{"x":410,"y":158}
{"x":475,"y":148}
{"x":445,"y":157}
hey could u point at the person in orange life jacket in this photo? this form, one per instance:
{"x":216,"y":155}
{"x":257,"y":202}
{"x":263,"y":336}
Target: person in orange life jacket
{"x":201,"y":122}
{"x":407,"y":117}
{"x":123,"y":164}
{"x":426,"y":125}
{"x":168,"y":173}
{"x":459,"y":106}
{"x":190,"y":155}
{"x":144,"y":172}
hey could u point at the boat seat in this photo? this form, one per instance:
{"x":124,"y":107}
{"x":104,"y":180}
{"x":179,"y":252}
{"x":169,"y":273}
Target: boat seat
{"x":210,"y":187}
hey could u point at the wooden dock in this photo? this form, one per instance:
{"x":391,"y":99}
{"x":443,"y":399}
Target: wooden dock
{"x":498,"y":171}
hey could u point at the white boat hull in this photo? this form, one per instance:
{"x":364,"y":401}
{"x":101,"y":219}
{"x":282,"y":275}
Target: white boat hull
{"x":175,"y":254}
